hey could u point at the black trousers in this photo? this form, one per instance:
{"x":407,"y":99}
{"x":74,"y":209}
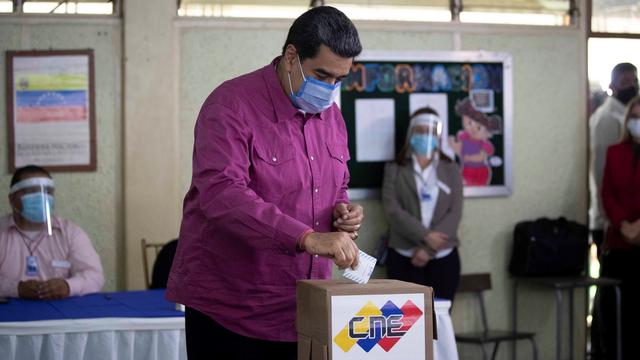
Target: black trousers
{"x":208,"y":340}
{"x":443,"y":275}
{"x":623,"y":265}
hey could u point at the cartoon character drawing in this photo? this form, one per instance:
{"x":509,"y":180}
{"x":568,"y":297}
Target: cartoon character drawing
{"x":472,"y":144}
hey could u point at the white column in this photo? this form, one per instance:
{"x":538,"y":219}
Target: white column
{"x":151,"y":192}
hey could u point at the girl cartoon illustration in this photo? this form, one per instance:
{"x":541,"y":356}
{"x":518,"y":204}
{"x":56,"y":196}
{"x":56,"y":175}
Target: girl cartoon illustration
{"x":472,"y":144}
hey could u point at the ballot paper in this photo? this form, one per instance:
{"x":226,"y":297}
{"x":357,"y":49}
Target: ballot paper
{"x":362,"y":272}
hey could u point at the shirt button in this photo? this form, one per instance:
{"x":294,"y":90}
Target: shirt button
{"x":341,"y":156}
{"x":274,"y":159}
{"x":316,"y":190}
{"x":315,"y":255}
{"x":317,"y":223}
{"x":312,"y":158}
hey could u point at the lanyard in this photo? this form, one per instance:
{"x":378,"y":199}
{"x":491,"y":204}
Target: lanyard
{"x":26,"y":242}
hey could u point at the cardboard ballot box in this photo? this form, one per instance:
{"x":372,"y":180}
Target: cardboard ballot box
{"x":383,"y":319}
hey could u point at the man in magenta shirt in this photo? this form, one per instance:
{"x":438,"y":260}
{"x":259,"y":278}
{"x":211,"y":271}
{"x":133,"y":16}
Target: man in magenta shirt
{"x":268,"y":201}
{"x":43,"y":256}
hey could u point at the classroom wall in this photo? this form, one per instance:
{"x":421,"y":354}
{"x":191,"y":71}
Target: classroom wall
{"x":549,"y":151}
{"x":549,"y":136}
{"x":93,"y":200}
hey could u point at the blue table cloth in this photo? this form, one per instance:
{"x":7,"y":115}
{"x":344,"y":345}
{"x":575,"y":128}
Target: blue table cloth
{"x":134,"y":304}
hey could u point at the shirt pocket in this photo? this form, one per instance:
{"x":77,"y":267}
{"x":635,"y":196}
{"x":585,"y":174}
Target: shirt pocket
{"x":274,"y":172}
{"x":339,"y":155}
{"x":61,"y":268}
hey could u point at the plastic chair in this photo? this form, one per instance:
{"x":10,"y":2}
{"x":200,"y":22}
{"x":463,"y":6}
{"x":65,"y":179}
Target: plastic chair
{"x":477,"y":284}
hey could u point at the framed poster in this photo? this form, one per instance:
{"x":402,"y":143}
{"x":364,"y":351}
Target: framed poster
{"x":470,"y":91}
{"x":51,"y":109}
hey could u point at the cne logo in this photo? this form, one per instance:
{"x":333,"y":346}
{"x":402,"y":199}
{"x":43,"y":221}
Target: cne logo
{"x":372,"y":326}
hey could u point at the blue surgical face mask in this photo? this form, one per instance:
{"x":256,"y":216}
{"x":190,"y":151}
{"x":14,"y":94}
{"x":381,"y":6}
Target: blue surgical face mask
{"x":424,"y":144}
{"x":314,"y":95}
{"x":34,"y":206}
{"x":633,"y":125}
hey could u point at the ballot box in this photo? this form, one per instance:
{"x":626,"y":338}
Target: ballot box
{"x":381,"y":320}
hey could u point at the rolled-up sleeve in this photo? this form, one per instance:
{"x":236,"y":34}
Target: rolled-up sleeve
{"x":343,"y":195}
{"x":86,"y":275}
{"x":221,"y":166}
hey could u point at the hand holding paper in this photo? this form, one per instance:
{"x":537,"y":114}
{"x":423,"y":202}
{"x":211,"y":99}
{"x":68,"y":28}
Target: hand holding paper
{"x":362,"y":272}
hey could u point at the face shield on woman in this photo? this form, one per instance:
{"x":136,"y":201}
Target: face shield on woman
{"x":423,"y":134}
{"x":36,"y":200}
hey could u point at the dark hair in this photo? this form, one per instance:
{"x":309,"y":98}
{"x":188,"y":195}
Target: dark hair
{"x":492,"y":123}
{"x":323,"y":25}
{"x":403,"y":154}
{"x":20,"y":173}
{"x":621,"y":69}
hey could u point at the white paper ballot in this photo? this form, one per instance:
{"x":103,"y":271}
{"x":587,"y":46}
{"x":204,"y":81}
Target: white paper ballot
{"x":363,"y":271}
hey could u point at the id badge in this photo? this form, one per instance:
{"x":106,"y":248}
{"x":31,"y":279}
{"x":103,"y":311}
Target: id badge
{"x":32,"y":266}
{"x":424,"y":195}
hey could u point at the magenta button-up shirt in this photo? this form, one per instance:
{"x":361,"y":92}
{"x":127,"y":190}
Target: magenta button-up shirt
{"x":263,"y":174}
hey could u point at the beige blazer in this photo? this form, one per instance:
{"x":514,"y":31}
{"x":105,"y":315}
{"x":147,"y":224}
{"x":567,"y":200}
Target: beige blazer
{"x":402,"y":206}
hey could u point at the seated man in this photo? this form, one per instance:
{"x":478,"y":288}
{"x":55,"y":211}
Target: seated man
{"x":41,"y":255}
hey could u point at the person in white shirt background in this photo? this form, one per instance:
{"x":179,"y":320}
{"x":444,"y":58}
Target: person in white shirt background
{"x":41,"y":255}
{"x":422,"y":200}
{"x":605,"y":129}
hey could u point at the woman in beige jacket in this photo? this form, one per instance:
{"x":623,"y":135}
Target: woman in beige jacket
{"x":422,"y":199}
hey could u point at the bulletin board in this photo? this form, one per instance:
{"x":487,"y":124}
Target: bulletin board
{"x":472,"y":93}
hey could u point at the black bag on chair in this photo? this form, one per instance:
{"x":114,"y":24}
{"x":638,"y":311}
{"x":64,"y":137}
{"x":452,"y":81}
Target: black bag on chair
{"x":547,"y":247}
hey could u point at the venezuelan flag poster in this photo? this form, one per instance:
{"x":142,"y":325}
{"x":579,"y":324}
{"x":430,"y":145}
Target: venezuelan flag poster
{"x":51,"y":120}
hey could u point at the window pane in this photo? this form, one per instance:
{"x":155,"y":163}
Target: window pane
{"x":616,"y":16}
{"x":519,"y":12}
{"x":92,"y":7}
{"x":402,"y":10}
{"x":217,"y":9}
{"x":399,"y":11}
{"x":604,"y":54}
{"x":6,"y":6}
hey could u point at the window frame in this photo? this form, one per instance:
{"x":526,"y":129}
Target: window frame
{"x":456,"y":7}
{"x":18,"y":10}
{"x":599,"y":34}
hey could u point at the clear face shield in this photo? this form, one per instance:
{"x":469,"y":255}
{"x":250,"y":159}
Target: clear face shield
{"x":36,"y":201}
{"x":425,"y":131}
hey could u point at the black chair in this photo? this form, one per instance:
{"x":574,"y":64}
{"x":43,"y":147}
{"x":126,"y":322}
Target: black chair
{"x":162,"y":264}
{"x":477,"y":284}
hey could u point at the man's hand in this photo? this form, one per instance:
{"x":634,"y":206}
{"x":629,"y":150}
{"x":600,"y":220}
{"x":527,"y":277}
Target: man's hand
{"x":420,"y":258}
{"x":28,"y":289}
{"x":348,"y":218}
{"x":629,"y":231}
{"x":635,"y":228}
{"x":56,"y":288}
{"x":436,"y":240}
{"x":335,"y":245}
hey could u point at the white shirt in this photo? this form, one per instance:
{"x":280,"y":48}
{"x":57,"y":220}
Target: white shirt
{"x":605,"y":129}
{"x":427,"y":188}
{"x":32,"y":235}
